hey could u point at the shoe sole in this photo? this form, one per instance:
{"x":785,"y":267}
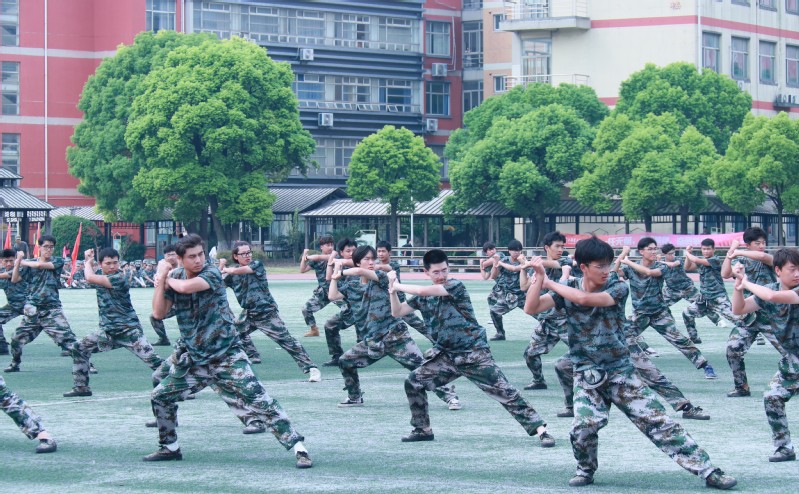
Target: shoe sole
{"x":419,"y":439}
{"x":253,"y":431}
{"x":348,"y":405}
{"x":171,"y":458}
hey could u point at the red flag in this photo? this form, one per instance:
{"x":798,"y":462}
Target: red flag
{"x":36,"y":240}
{"x":75,"y":248}
{"x":7,"y":245}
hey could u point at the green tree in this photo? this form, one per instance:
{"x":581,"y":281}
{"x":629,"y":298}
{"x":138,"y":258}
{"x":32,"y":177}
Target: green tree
{"x":709,"y":101}
{"x":522,"y":163}
{"x":65,"y":230}
{"x":395,"y":166}
{"x":761,"y":163}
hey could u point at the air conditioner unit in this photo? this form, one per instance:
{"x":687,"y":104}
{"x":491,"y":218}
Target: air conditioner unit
{"x":439,"y":70}
{"x":306,"y":54}
{"x":325,"y":119}
{"x":431,"y":125}
{"x":742,"y":85}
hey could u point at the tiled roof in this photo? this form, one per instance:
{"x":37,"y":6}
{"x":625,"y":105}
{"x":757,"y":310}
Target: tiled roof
{"x":17,"y":199}
{"x":290,"y":199}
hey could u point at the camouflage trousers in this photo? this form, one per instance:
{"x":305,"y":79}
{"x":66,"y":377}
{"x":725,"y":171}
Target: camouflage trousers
{"x":15,"y":407}
{"x":700,"y":307}
{"x":272,"y":325}
{"x":100,"y":341}
{"x":51,"y":321}
{"x":317,"y":302}
{"x":7,"y":313}
{"x":232,"y":378}
{"x":626,"y":390}
{"x":440,"y":368}
{"x":158,"y":325}
{"x":333,"y":328}
{"x":663,"y":323}
{"x":544,"y":338}
{"x":398,"y":345}
{"x":781,"y":389}
{"x":741,"y":339}
{"x":505,"y":302}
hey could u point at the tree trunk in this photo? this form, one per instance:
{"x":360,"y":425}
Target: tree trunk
{"x":648,"y":222}
{"x":780,"y":238}
{"x":684,"y":212}
{"x":393,"y":230}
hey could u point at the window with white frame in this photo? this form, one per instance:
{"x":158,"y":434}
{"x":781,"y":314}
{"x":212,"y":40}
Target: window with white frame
{"x":9,"y":22}
{"x":536,"y":59}
{"x":10,"y":152}
{"x":438,"y":38}
{"x":473,"y":44}
{"x":353,"y":89}
{"x":498,"y":18}
{"x":309,"y":26}
{"x":332,"y":157}
{"x":309,"y":87}
{"x":439,"y":151}
{"x":739,"y":59}
{"x":264,"y":20}
{"x":212,"y":17}
{"x":396,"y":92}
{"x":767,"y":62}
{"x":9,"y":77}
{"x":711,"y":51}
{"x":792,"y":65}
{"x":499,"y":83}
{"x":160,"y":14}
{"x":437,"y":98}
{"x":768,"y":4}
{"x":395,"y":33}
{"x":472,"y":94}
{"x":352,"y":30}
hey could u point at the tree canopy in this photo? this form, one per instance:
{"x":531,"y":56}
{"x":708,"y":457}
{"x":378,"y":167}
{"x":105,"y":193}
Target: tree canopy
{"x":65,"y":230}
{"x":395,"y":166}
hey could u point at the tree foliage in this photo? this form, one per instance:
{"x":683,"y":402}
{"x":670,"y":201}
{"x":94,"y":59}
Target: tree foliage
{"x":395,"y":166}
{"x":65,"y":230}
{"x":709,"y":101}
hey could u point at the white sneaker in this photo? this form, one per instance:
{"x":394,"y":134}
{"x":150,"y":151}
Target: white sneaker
{"x":316,"y":376}
{"x":722,"y":324}
{"x":454,"y":404}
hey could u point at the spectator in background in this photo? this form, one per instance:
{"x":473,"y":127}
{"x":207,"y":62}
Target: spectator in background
{"x":22,"y":246}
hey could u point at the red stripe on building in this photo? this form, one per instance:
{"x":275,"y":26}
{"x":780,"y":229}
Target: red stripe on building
{"x":692,"y":19}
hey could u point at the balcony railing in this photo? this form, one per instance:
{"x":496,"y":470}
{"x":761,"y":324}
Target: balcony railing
{"x":472,"y":60}
{"x":367,"y":107}
{"x":524,"y":10}
{"x":553,"y":79}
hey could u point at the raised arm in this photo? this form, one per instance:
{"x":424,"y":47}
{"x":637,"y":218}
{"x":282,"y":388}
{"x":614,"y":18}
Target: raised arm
{"x":15,"y":277}
{"x":726,"y":264}
{"x":579,"y":297}
{"x":656,"y":273}
{"x":398,"y":309}
{"x":363,"y":272}
{"x":695,"y":261}
{"x":535,"y":302}
{"x":332,"y":292}
{"x":88,"y":271}
{"x":161,"y":304}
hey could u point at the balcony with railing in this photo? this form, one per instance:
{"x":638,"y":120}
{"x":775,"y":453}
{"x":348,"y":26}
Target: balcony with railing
{"x":535,"y":15}
{"x":552,"y":79}
{"x":359,"y":107}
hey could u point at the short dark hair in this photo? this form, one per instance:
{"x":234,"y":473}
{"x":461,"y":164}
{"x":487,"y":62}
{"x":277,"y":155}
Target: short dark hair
{"x":708,"y":242}
{"x":188,"y":242}
{"x":9,"y":253}
{"x":346,"y":242}
{"x":325,"y":239}
{"x":514,"y":245}
{"x":552,"y":237}
{"x":434,"y":256}
{"x":383,"y":244}
{"x":361,"y":252}
{"x":169,"y":248}
{"x":107,"y":252}
{"x":786,"y":255}
{"x":754,"y":233}
{"x":237,"y":244}
{"x":646,"y":242}
{"x":486,"y":247}
{"x":46,"y":238}
{"x":592,"y":249}
{"x":666,"y":248}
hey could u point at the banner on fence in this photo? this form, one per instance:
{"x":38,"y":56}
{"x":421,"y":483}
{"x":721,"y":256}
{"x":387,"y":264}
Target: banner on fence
{"x":679,"y":241}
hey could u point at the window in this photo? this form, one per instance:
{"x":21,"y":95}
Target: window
{"x":353,"y":89}
{"x":739,"y":68}
{"x":472,"y":94}
{"x":212,"y":17}
{"x":310,"y":26}
{"x":767,"y":60}
{"x":310,"y":87}
{"x":10,"y":88}
{"x":10,"y":152}
{"x":536,"y":59}
{"x":472,"y":4}
{"x":437,"y":98}
{"x":741,"y":2}
{"x":352,"y":30}
{"x":473,"y":44}
{"x":160,"y":15}
{"x":711,"y":50}
{"x":497,"y":19}
{"x":792,"y":6}
{"x":397,"y":34}
{"x":792,"y":65}
{"x":499,"y":83}
{"x":396,"y":92}
{"x":333,"y":157}
{"x":768,"y":4}
{"x":264,"y":20}
{"x":437,"y":37}
{"x":439,"y":150}
{"x":9,"y":23}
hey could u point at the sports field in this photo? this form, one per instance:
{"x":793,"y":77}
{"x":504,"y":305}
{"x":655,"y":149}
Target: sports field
{"x":480,"y":448}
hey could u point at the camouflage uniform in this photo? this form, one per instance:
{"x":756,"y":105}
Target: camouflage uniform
{"x":604,"y":374}
{"x":119,"y":328}
{"x":550,"y":331}
{"x":742,"y":335}
{"x":209,"y":352}
{"x":411,"y":320}
{"x":461,"y":349}
{"x":352,"y":289}
{"x":43,"y":310}
{"x":492,"y":295}
{"x":384,"y":335}
{"x":649,"y":309}
{"x":508,"y":295}
{"x":15,"y":407}
{"x":318,"y":300}
{"x":15,"y":296}
{"x":713,"y":297}
{"x":252,"y":292}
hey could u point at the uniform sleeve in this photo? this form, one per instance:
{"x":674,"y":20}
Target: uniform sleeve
{"x":119,"y":282}
{"x":715,"y":263}
{"x":455,"y":289}
{"x":565,"y":261}
{"x":619,"y":291}
{"x":560,"y":302}
{"x":382,"y":279}
{"x":627,"y":271}
{"x":212,"y":276}
{"x":58,"y":263}
{"x":258,"y":269}
{"x":663,"y":267}
{"x":415,"y":303}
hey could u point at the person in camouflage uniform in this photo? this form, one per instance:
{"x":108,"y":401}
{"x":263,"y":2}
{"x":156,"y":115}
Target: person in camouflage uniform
{"x":507,"y":293}
{"x":779,"y":303}
{"x":318,"y":300}
{"x":713,"y":295}
{"x":344,"y":318}
{"x":15,"y":295}
{"x":550,"y":329}
{"x":758,"y":266}
{"x":382,"y":334}
{"x":158,"y":324}
{"x":487,"y":268}
{"x":678,"y":286}
{"x":119,"y":324}
{"x":208,"y":352}
{"x":26,"y":419}
{"x":249,"y":283}
{"x":388,"y":265}
{"x":460,"y":349}
{"x":649,"y":307}
{"x":603,"y":371}
{"x":42,"y":311}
